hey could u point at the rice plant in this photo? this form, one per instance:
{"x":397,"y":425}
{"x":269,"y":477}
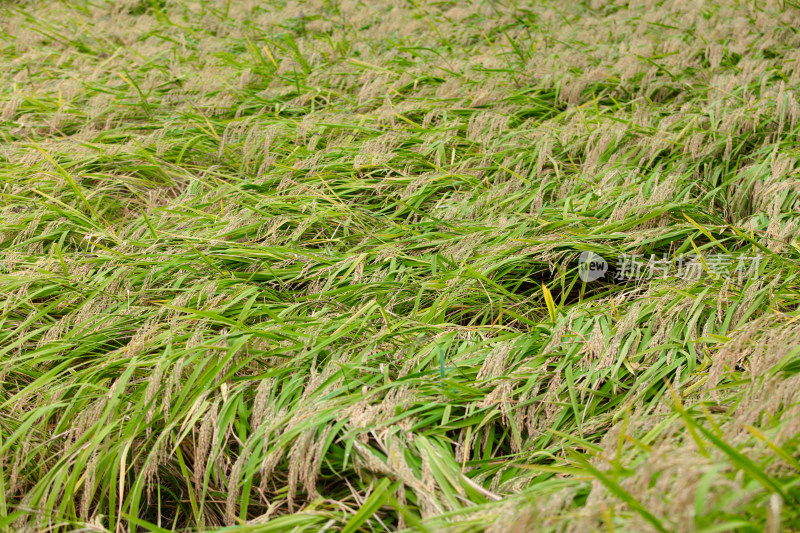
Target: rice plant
{"x":429,"y":266}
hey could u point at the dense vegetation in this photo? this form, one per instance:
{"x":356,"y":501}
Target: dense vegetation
{"x":294,"y":266}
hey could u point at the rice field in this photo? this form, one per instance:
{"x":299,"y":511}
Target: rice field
{"x":350,"y":266}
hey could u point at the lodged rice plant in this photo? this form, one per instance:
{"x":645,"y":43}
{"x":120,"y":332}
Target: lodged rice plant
{"x":433,"y":266}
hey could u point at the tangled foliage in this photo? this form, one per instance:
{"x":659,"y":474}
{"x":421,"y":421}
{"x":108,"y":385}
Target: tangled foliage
{"x":302,"y":265}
